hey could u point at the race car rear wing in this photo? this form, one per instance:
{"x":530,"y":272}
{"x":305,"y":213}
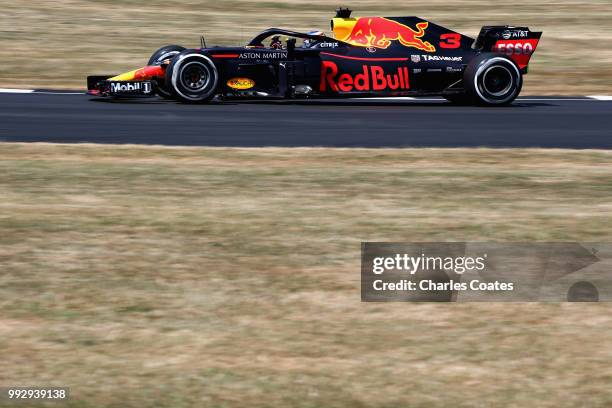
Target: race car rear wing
{"x":518,"y":43}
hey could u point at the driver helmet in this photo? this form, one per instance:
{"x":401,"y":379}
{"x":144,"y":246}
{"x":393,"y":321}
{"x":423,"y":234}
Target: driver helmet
{"x":276,"y":43}
{"x":308,"y":42}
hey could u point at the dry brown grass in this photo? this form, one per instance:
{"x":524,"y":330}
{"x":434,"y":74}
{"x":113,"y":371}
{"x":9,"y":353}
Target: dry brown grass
{"x":179,"y":277}
{"x":59,"y":42}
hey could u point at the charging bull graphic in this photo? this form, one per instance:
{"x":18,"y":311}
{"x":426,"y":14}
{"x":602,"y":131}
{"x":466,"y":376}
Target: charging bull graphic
{"x":379,"y":32}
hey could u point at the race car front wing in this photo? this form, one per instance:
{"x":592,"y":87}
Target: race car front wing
{"x":101,"y":86}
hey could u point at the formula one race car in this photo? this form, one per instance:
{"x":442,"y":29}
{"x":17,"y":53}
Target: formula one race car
{"x":367,"y":57}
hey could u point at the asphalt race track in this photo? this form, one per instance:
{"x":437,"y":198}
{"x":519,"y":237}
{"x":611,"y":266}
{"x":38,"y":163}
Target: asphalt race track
{"x":530,"y":122}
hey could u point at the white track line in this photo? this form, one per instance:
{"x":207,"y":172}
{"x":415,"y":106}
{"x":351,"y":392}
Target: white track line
{"x":10,"y":90}
{"x":555,"y":99}
{"x":601,"y":97}
{"x":59,"y":93}
{"x":33,"y":91}
{"x":397,"y":98}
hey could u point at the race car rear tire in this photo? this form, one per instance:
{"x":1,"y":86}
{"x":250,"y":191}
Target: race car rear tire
{"x":493,"y":80}
{"x":164,"y":53}
{"x":192,"y":77}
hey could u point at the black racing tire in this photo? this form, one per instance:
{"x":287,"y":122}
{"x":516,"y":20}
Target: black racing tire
{"x":493,"y":80}
{"x":192,"y":77}
{"x":459,"y":99}
{"x":164,"y":53}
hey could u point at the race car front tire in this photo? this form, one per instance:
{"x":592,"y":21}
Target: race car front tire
{"x":192,"y":77}
{"x":493,"y":80}
{"x":162,"y":54}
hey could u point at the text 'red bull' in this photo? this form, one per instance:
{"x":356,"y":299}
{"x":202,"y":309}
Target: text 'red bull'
{"x":372,"y":78}
{"x":379,"y":32}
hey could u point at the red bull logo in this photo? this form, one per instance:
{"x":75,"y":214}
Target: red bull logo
{"x":380,"y":32}
{"x":372,"y":78}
